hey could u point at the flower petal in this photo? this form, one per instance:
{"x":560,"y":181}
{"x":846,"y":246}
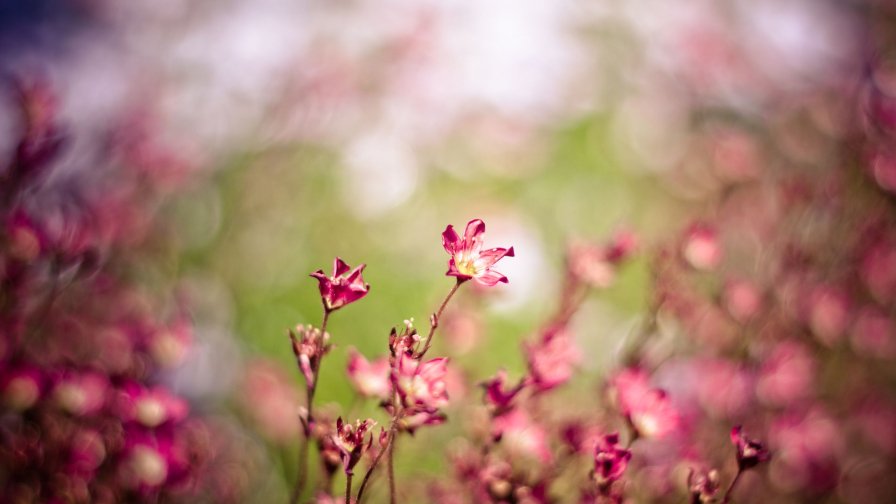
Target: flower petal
{"x":473,"y":235}
{"x":490,"y":278}
{"x":339,"y":267}
{"x":450,"y":240}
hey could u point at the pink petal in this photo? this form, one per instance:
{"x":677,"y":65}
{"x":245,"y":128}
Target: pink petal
{"x":489,"y":257}
{"x":473,"y":235}
{"x":490,"y":278}
{"x":339,"y":267}
{"x":355,"y":275}
{"x":450,"y":240}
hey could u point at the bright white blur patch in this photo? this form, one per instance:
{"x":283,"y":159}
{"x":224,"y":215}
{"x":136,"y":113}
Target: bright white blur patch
{"x":527,"y":272}
{"x":381,"y":174}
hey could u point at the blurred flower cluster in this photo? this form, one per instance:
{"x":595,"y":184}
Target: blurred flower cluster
{"x":85,"y":340}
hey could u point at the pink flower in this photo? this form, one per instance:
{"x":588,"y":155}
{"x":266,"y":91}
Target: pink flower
{"x":370,"y":379}
{"x":750,"y":453}
{"x":521,"y":435}
{"x":309,"y":346}
{"x":352,"y":441}
{"x":150,"y":407}
{"x":421,"y":386}
{"x":468,"y":260}
{"x":653,"y":415}
{"x":344,"y":287}
{"x":610,"y":460}
{"x":701,"y":248}
{"x":553,"y":359}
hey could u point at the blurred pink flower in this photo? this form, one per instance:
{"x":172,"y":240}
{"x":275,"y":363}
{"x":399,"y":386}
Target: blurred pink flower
{"x":742,"y":300}
{"x":468,"y":260}
{"x":596,"y":265}
{"x":653,"y":416}
{"x":344,"y":287}
{"x":150,"y":407}
{"x":703,"y":485}
{"x":701,"y":248}
{"x":787,"y":374}
{"x":828,"y":313}
{"x":498,"y":395}
{"x":521,"y":435}
{"x":552,"y":359}
{"x":271,"y":400}
{"x":81,"y":393}
{"x":370,"y":379}
{"x":873,"y":334}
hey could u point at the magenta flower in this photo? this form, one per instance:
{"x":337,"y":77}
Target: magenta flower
{"x":344,"y":287}
{"x":352,"y":441}
{"x":750,"y":453}
{"x":610,"y":460}
{"x":370,"y":379}
{"x":468,"y":260}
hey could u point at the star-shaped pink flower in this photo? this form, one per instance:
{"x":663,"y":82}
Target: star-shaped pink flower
{"x":468,"y":260}
{"x":344,"y":287}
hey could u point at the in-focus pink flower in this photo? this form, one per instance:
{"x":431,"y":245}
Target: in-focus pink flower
{"x":750,"y":453}
{"x":344,"y":287}
{"x":610,"y":460}
{"x":352,"y":441}
{"x":468,"y":260}
{"x":369,"y":378}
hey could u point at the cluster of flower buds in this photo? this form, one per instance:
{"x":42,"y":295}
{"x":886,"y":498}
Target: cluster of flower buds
{"x":309,"y":345}
{"x":352,"y":441}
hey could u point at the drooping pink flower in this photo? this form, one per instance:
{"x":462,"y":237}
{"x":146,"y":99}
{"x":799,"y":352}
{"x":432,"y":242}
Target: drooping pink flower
{"x":352,"y":441}
{"x":750,"y":453}
{"x":344,"y":287}
{"x":610,"y":460}
{"x":468,"y":260}
{"x":369,"y":378}
{"x":309,"y":345}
